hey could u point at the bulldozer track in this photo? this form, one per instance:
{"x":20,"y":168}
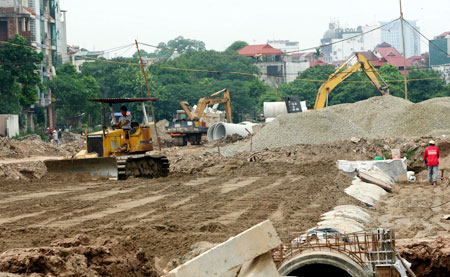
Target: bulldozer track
{"x":142,"y":166}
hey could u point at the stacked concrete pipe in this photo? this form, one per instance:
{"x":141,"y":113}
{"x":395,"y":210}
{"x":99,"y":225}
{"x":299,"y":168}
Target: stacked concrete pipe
{"x":221,"y":129}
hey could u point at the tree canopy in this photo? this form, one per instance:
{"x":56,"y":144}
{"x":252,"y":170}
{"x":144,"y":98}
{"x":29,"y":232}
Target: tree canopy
{"x":19,"y":77}
{"x":239,"y":44}
{"x":71,"y":91}
{"x":357,"y":87}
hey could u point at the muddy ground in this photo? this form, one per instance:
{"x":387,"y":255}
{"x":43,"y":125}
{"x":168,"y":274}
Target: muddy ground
{"x":206,"y":198}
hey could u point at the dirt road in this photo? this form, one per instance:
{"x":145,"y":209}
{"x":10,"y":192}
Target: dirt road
{"x":166,"y":216}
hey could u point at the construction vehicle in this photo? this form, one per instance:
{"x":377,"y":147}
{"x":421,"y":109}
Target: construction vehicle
{"x":116,"y":153}
{"x":189,"y":125}
{"x":343,"y":72}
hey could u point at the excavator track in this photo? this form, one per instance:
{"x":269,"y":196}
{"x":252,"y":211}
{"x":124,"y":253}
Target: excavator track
{"x":142,"y":166}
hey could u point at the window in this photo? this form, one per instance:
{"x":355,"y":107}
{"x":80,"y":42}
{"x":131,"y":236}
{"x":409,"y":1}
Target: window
{"x":3,"y":30}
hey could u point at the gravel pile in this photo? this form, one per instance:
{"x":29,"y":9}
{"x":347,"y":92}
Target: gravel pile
{"x":377,"y":117}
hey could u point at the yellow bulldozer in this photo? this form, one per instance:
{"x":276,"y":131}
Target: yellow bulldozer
{"x":116,"y":153}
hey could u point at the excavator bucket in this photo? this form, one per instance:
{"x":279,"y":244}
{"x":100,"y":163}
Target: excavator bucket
{"x":101,"y":167}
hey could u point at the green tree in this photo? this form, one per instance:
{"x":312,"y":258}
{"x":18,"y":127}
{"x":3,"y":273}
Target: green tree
{"x":426,"y":87}
{"x":72,"y":91}
{"x":239,"y":44}
{"x":19,"y":77}
{"x":185,"y":45}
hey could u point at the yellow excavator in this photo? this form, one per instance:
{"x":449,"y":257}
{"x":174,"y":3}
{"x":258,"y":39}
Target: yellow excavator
{"x":116,"y":153}
{"x":190,"y":125}
{"x":345,"y":71}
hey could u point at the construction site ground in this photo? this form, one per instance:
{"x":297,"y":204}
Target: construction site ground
{"x":206,"y":199}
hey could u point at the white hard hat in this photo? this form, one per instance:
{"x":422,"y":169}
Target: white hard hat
{"x":431,"y":142}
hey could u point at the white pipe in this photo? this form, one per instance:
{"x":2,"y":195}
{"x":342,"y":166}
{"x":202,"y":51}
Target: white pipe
{"x":272,"y":109}
{"x":210,"y":133}
{"x":227,"y":129}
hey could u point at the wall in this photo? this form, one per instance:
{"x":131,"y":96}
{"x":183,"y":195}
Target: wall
{"x":444,"y":69}
{"x":294,"y":68}
{"x":392,"y":34}
{"x":6,"y":3}
{"x":437,"y":51}
{"x":9,"y":125}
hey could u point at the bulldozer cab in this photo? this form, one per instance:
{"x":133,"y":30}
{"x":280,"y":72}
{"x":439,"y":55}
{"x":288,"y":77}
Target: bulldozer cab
{"x":181,"y":115}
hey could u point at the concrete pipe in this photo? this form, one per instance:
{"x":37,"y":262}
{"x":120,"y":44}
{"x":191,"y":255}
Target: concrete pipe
{"x":210,"y":133}
{"x":228,"y":129}
{"x":323,"y":262}
{"x":272,"y":109}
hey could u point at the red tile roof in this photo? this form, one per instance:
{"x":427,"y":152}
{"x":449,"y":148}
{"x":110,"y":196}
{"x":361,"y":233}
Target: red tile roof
{"x":443,"y":35}
{"x":384,"y":45}
{"x":314,"y":63}
{"x":369,"y":55}
{"x":392,"y":56}
{"x":30,"y":11}
{"x":260,"y":49}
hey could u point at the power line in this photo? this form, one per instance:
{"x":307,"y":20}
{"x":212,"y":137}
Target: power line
{"x":342,"y":40}
{"x":431,"y":42}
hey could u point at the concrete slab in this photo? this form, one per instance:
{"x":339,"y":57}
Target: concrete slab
{"x":227,"y":258}
{"x":357,"y":215}
{"x":378,"y":178}
{"x":365,"y":192}
{"x":262,"y":266}
{"x":394,"y":168}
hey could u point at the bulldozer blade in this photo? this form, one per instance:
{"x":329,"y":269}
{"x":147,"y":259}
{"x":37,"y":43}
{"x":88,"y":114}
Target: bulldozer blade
{"x":101,"y":167}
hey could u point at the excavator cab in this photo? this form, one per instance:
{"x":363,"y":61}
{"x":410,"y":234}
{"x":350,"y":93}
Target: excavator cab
{"x":116,"y":153}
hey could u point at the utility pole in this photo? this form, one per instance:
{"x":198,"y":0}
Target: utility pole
{"x":404,"y":51}
{"x":149,"y":95}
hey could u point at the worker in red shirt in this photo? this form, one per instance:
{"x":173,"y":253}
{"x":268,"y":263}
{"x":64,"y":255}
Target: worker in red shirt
{"x":431,"y":158}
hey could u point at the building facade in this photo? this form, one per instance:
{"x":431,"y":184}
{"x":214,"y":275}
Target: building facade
{"x":275,"y":66}
{"x":392,"y":34}
{"x":43,"y":24}
{"x":285,"y":45}
{"x":334,"y":50}
{"x":440,"y":55}
{"x":440,"y":49}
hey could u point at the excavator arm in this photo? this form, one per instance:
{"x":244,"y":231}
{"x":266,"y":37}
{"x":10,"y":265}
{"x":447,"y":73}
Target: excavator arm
{"x":209,"y":100}
{"x":343,"y":72}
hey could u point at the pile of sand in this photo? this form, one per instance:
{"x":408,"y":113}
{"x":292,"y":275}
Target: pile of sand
{"x":377,"y":117}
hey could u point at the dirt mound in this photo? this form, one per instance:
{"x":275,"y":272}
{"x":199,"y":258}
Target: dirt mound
{"x":11,"y":148}
{"x":23,"y":171}
{"x":30,"y":137}
{"x":79,"y":257}
{"x":377,"y":117}
{"x":430,"y":257}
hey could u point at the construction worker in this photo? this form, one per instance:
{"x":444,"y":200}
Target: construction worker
{"x":125,"y":119}
{"x":431,"y":158}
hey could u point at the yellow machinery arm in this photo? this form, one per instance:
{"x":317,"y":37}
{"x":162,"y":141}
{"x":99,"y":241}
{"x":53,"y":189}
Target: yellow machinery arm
{"x":343,"y":72}
{"x":209,"y":100}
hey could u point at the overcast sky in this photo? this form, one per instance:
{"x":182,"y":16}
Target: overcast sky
{"x":104,"y":24}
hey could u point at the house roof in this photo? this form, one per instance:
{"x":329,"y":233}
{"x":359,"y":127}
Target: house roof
{"x":260,"y":49}
{"x":30,"y":10}
{"x":314,"y":63}
{"x":384,"y":45}
{"x":392,"y":56}
{"x":299,"y":55}
{"x":443,"y":35}
{"x":369,"y":55}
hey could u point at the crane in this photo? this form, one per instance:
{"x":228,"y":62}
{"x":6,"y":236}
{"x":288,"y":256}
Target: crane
{"x":343,"y":72}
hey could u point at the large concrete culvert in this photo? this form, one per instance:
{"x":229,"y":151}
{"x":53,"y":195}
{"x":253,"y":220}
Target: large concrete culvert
{"x":322,"y":262}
